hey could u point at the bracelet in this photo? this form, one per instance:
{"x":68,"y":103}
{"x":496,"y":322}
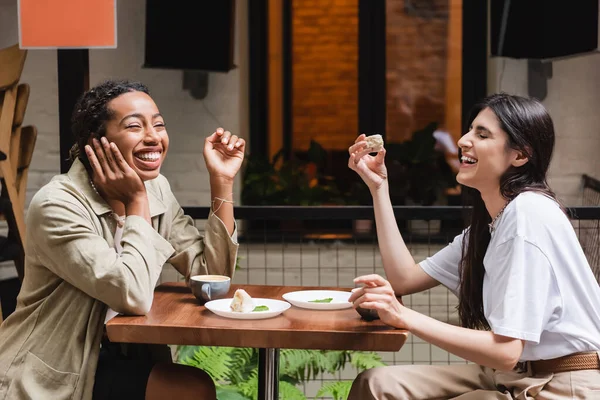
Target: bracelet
{"x":220,"y":204}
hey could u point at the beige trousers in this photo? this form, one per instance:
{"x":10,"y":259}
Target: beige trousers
{"x":471,"y":382}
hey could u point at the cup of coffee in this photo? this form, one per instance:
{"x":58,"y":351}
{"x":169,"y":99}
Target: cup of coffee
{"x":209,"y":287}
{"x":367,"y":314}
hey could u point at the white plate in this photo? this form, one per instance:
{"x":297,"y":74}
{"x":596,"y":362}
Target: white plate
{"x":221,"y":307}
{"x":304,"y":299}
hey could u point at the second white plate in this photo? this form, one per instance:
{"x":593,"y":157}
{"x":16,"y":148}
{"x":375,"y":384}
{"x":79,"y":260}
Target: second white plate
{"x":313,"y":299}
{"x":221,"y":307}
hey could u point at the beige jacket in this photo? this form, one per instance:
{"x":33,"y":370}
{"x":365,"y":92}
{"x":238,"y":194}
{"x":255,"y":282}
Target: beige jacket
{"x":49,"y":346}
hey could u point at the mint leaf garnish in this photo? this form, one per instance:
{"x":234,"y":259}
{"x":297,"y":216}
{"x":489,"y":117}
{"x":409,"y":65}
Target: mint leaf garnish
{"x":327,"y":300}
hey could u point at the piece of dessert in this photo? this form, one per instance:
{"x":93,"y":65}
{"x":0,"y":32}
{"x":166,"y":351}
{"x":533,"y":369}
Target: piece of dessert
{"x":242,"y":302}
{"x":374,"y":142}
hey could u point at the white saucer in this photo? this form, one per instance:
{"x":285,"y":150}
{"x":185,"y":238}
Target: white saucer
{"x":221,"y":307}
{"x":305,"y":299}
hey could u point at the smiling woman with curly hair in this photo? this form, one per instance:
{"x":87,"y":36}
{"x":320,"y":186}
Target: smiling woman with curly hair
{"x":97,"y":240}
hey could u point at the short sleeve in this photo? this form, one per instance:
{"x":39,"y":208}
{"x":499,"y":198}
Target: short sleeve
{"x":444,"y":265}
{"x":521,"y":292}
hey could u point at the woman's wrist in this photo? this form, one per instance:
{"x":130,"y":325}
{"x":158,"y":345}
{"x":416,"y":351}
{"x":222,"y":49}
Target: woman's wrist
{"x":138,"y":206}
{"x":138,"y":197}
{"x":220,"y":189}
{"x":408,"y":318}
{"x":222,"y":203}
{"x":221,"y":181}
{"x":381,"y":190}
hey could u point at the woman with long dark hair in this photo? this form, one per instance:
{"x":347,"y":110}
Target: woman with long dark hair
{"x":529,"y":305}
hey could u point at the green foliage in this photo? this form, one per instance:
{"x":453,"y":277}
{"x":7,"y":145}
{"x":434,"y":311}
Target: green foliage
{"x":289,"y":391}
{"x":235,"y":370}
{"x":365,"y":360}
{"x":303,"y":365}
{"x":417,"y":169}
{"x":229,"y":393}
{"x":249,"y":387}
{"x":337,"y":390}
{"x":214,"y":360}
{"x":289,"y":182}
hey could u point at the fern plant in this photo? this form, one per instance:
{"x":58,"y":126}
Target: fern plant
{"x":338,"y":390}
{"x":235,"y":370}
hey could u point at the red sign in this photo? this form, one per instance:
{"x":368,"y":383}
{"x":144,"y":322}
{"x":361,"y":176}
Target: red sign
{"x":67,"y":23}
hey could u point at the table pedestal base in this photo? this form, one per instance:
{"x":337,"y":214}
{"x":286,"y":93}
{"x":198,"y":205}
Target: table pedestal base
{"x":268,"y":374}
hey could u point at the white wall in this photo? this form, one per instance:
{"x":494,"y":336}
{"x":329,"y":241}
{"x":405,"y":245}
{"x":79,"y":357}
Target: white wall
{"x":188,"y":120}
{"x":573,"y":101}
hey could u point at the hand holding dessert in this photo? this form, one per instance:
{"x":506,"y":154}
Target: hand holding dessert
{"x":370,"y":168}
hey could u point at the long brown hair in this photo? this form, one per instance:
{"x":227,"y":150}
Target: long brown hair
{"x":530,"y":130}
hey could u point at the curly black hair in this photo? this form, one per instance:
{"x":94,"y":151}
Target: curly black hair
{"x":91,"y":113}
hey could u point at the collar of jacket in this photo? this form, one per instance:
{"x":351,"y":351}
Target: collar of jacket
{"x":78,"y":174}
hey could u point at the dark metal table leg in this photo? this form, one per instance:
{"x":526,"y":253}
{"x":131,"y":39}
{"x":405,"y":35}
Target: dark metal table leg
{"x":268,"y":374}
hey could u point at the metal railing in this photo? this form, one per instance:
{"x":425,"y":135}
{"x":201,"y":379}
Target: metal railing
{"x":590,"y":229}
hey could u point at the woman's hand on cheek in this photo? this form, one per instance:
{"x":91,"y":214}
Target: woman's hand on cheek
{"x":223,"y":154}
{"x":112,"y":176}
{"x":377,"y":294}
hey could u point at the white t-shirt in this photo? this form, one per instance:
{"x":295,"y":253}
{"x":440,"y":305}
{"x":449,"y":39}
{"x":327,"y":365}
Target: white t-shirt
{"x":538,"y":285}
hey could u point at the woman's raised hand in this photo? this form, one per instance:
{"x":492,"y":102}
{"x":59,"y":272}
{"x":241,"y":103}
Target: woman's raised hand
{"x":223,"y":154}
{"x":112,"y":176}
{"x":370,"y":168}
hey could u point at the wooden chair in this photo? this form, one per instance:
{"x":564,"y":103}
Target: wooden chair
{"x":16,"y":149}
{"x":13,"y":248}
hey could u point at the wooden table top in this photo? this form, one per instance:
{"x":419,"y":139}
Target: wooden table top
{"x":176,"y":317}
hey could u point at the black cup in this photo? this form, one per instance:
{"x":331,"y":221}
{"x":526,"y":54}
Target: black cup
{"x":367,"y":314}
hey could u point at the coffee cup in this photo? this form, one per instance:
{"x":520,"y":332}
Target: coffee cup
{"x":367,"y":314}
{"x":210,"y":287}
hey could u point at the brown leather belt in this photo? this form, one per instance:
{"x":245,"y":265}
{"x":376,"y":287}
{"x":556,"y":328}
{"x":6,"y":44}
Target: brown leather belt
{"x":573,"y":362}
